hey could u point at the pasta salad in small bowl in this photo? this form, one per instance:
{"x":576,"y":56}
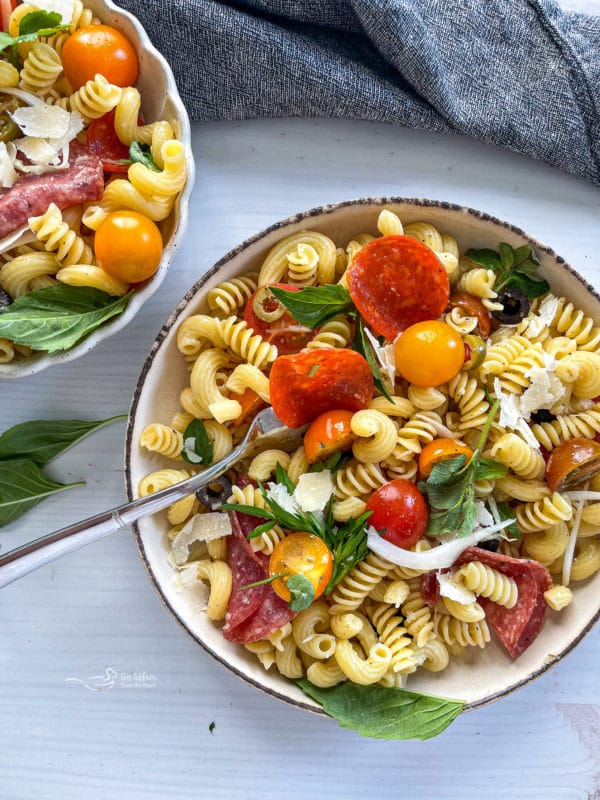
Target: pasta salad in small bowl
{"x":96,"y":170}
{"x":432,"y":540}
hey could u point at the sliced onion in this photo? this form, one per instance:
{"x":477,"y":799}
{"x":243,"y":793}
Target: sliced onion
{"x":444,"y":555}
{"x":26,"y":97}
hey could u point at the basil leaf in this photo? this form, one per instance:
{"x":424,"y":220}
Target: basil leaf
{"x":469,"y":515}
{"x":363,"y":346}
{"x":301,"y":591}
{"x":314,"y":305}
{"x":507,"y":256}
{"x":487,"y":468}
{"x":41,"y":440}
{"x":441,"y":522}
{"x":382,"y":713}
{"x":445,"y":496}
{"x":140,"y":153}
{"x":197,"y":447}
{"x":484,"y":256}
{"x":530,"y":285}
{"x":6,"y":40}
{"x":506,"y":512}
{"x":57,"y":317}
{"x":22,"y":486}
{"x":444,"y":471}
{"x":37,"y":20}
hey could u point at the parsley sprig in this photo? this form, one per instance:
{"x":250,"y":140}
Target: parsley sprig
{"x":33,"y":26}
{"x":514,"y":268}
{"x":450,"y":486}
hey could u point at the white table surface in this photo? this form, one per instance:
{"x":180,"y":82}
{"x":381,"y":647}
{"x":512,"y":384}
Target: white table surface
{"x":95,"y":617}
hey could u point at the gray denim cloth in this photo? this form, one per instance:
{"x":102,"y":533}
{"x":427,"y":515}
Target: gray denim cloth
{"x":522,"y":74}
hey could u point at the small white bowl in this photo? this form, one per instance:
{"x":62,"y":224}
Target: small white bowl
{"x":481,"y":676}
{"x":160,"y":100}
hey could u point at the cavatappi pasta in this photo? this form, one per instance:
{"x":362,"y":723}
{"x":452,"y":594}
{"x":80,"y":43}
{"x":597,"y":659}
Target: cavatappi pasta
{"x":377,"y":626}
{"x":59,"y":246}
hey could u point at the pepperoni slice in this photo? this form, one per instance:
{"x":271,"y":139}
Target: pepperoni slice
{"x":396,"y":281}
{"x":516,"y":627}
{"x":307,"y":384}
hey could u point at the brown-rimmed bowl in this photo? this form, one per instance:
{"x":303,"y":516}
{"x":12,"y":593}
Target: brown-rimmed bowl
{"x":481,"y":676}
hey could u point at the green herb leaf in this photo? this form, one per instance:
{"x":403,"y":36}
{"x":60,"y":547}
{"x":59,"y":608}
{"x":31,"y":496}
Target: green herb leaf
{"x":141,"y":154}
{"x":514,"y":268}
{"x":313,"y":305}
{"x":443,"y":471}
{"x":264,"y":581}
{"x":301,"y":591}
{"x":530,"y":285}
{"x":382,"y":713}
{"x":22,"y":486}
{"x":486,"y":469}
{"x":506,"y":512}
{"x":197,"y":447}
{"x":284,"y":479}
{"x":333,"y":463}
{"x":41,"y":440}
{"x":363,"y":346}
{"x":488,"y":258}
{"x":57,"y":317}
{"x":38,"y":20}
{"x":348,"y":543}
{"x":252,"y":511}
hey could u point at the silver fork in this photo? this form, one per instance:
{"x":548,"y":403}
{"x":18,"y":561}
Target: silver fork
{"x":266,"y":431}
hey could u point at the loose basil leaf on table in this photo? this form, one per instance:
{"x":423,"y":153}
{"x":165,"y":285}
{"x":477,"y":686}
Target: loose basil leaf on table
{"x":382,"y":713}
{"x":57,"y":317}
{"x":41,"y":440}
{"x":22,"y":486}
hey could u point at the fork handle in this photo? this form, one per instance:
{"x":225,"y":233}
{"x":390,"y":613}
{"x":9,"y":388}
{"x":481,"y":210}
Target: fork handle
{"x":23,"y":560}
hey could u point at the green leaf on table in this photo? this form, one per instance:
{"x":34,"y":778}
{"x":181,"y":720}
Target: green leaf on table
{"x":22,"y":486}
{"x":382,"y":713}
{"x":313,"y":305}
{"x":41,"y":440}
{"x":57,"y":317}
{"x":197,"y":446}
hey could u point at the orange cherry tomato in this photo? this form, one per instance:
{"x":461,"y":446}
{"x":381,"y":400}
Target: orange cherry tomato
{"x":301,"y":554}
{"x":440,"y":450}
{"x":99,"y":49}
{"x":429,"y":353}
{"x":400,"y":512}
{"x":328,"y":433}
{"x":251,"y":403}
{"x":571,"y":463}
{"x":128,"y":246}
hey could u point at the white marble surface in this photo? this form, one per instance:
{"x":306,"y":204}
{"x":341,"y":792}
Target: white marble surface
{"x":145,"y":734}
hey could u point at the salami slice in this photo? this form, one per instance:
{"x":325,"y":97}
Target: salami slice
{"x":430,"y":588}
{"x":255,"y":613}
{"x":516,"y":627}
{"x":396,"y":281}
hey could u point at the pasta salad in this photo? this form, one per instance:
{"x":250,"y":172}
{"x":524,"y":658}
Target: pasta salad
{"x":85,"y":183}
{"x":447,"y":488}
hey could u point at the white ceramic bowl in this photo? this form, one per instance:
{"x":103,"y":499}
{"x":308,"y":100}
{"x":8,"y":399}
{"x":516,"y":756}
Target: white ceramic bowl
{"x":479,"y":677}
{"x":160,"y":100}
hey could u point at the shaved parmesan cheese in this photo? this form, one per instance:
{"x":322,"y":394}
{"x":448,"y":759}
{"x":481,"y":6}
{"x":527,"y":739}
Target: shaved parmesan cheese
{"x":200,"y":528}
{"x":483,"y":518}
{"x":314,"y":490}
{"x":509,"y":407}
{"x":454,"y":589}
{"x":37,"y":150}
{"x":543,"y":318}
{"x":186,"y":581}
{"x":62,"y":7}
{"x":8,"y":175}
{"x":75,"y":125}
{"x":48,"y":122}
{"x":279,"y":493}
{"x":444,"y":555}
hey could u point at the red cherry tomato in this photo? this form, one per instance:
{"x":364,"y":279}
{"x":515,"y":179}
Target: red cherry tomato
{"x":474,"y":308}
{"x":429,"y":353}
{"x":300,"y":554}
{"x":268,"y":317}
{"x":440,"y":450}
{"x":99,"y":49}
{"x":128,"y":246}
{"x":396,"y":281}
{"x":571,"y":463}
{"x":312,"y":382}
{"x":102,"y":140}
{"x":328,"y":433}
{"x":6,"y":8}
{"x":400,"y":512}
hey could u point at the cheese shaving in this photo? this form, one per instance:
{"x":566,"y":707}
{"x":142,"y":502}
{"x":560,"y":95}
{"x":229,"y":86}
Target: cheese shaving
{"x":185,"y":581}
{"x":200,"y":528}
{"x":8,"y":175}
{"x":48,"y":122}
{"x":454,"y":589}
{"x":279,"y":493}
{"x":384,"y":353}
{"x":313,"y":490}
{"x":62,"y":7}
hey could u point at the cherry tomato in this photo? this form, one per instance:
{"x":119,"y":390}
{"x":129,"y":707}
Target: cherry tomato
{"x":474,"y":308}
{"x":309,"y":383}
{"x":400,"y":512}
{"x":440,"y":450}
{"x":396,"y":281}
{"x":251,"y":404}
{"x":102,"y":140}
{"x":128,"y":246}
{"x":328,"y":433}
{"x":6,"y":8}
{"x":571,"y":463}
{"x":99,"y":49}
{"x":267,"y":316}
{"x":301,"y":554}
{"x":429,"y":353}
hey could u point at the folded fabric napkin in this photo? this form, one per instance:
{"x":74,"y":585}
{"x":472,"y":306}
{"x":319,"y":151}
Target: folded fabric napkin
{"x":522,"y":74}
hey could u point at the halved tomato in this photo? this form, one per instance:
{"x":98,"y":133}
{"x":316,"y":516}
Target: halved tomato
{"x":267,"y":316}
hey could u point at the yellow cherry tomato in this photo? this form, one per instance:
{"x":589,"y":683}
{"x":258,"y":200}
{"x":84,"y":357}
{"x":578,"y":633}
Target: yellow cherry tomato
{"x":128,"y":246}
{"x":99,"y":49}
{"x":429,"y":353}
{"x":300,"y":554}
{"x":328,"y":433}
